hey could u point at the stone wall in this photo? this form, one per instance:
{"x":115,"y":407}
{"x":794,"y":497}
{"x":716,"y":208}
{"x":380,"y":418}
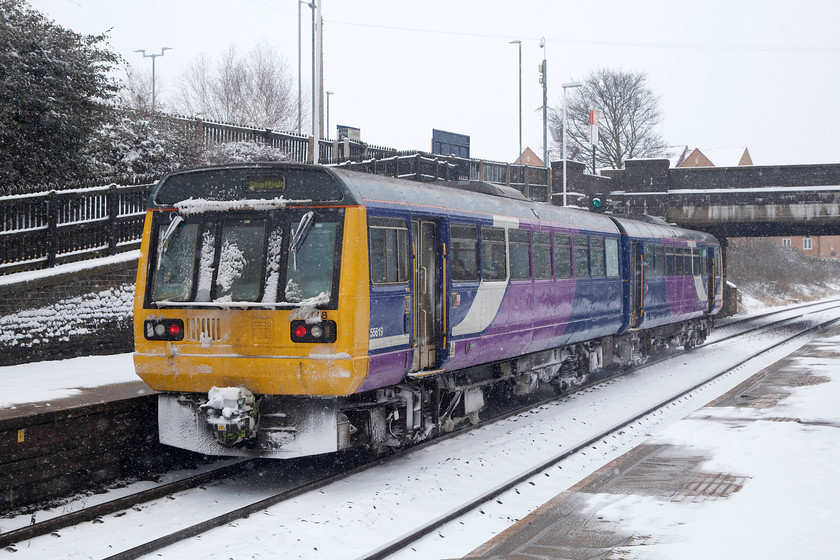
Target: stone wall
{"x":67,"y":312}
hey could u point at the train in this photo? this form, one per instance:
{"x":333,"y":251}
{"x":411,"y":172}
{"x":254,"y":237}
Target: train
{"x":284,"y":310}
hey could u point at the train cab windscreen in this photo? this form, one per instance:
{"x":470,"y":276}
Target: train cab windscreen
{"x":251,"y":260}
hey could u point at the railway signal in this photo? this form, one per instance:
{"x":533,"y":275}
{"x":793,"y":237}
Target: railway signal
{"x":597,"y":202}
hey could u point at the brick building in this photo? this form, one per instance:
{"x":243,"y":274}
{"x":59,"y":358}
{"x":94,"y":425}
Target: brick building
{"x":529,"y":158}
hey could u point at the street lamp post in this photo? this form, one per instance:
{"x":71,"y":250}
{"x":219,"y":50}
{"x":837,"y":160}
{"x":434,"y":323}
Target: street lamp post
{"x":566,"y":86}
{"x":517,"y":42}
{"x":300,"y":85}
{"x":544,"y":81}
{"x":153,"y":57}
{"x":328,"y":93}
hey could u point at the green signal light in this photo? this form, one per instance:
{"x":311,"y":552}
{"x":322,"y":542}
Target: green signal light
{"x":596,"y":202}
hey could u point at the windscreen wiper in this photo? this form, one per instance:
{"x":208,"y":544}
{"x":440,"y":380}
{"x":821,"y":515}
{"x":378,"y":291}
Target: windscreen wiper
{"x":300,"y":234}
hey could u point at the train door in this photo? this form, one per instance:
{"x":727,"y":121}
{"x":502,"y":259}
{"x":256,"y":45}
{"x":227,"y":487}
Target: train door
{"x":711,"y":272}
{"x":427,"y":311}
{"x":637,"y":284}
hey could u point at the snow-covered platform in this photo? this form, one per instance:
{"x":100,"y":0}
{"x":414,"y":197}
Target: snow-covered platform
{"x":752,"y":473}
{"x":46,"y":387}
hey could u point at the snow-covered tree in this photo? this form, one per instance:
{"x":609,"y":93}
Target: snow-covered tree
{"x":54,"y":91}
{"x":254,"y":89}
{"x":238,"y":152}
{"x":135,"y":143}
{"x":628,"y":116}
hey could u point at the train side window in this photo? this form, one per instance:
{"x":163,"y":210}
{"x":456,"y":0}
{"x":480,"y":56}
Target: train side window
{"x":388,"y":251}
{"x":660,"y":261}
{"x":650,"y":260}
{"x":611,"y":255}
{"x":493,"y":254}
{"x":695,"y":256}
{"x":680,"y":258}
{"x":670,"y":262}
{"x":464,"y":242}
{"x":542,"y":255}
{"x":596,"y":256}
{"x":580,"y":251}
{"x":562,"y":256}
{"x":520,"y":260}
{"x":240,"y":271}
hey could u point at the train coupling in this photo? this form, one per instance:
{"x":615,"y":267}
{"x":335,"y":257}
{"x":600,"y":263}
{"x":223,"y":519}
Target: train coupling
{"x":233,"y":414}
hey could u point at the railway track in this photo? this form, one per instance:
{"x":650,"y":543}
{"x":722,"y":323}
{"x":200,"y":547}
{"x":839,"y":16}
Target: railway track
{"x":403,"y":541}
{"x":260,"y":497}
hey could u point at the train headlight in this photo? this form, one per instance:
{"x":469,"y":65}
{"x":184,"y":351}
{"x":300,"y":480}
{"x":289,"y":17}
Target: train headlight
{"x":164,"y":329}
{"x":325,"y":331}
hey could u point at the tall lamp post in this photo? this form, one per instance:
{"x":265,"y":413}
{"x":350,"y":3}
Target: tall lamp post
{"x":153,"y":57}
{"x":544,"y":82}
{"x":300,"y":85}
{"x":328,"y":93}
{"x":517,"y":42}
{"x":566,"y":86}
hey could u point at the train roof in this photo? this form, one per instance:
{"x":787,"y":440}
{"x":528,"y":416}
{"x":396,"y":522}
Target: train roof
{"x":646,"y":227}
{"x":267,"y":185}
{"x":465,"y":199}
{"x":280,"y":184}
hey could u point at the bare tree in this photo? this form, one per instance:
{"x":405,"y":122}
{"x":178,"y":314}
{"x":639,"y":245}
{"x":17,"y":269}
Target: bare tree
{"x":136,"y":91}
{"x":254,"y":89}
{"x":628,"y":116}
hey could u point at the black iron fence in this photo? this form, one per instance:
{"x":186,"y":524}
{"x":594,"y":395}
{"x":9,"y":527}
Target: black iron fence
{"x":41,"y":230}
{"x":44,"y":229}
{"x":297,"y":146}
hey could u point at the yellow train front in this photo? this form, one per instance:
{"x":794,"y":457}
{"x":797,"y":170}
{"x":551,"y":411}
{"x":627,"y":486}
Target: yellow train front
{"x":246,"y":307}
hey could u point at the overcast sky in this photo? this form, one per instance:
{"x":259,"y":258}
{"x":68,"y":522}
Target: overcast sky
{"x":761,"y":74}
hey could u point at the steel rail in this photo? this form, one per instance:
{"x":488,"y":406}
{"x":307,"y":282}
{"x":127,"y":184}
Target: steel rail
{"x":426,"y":529}
{"x":119,"y":504}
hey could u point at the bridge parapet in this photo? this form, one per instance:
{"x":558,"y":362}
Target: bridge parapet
{"x":743,"y":201}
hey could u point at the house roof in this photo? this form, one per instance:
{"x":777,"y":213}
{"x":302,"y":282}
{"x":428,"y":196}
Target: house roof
{"x":715,"y":157}
{"x":528,"y":157}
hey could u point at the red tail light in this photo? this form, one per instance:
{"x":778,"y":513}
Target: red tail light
{"x":163,"y":329}
{"x":325,"y":331}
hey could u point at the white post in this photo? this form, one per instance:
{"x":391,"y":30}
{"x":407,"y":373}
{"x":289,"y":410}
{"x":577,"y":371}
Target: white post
{"x":316,"y":74}
{"x":565,"y":125}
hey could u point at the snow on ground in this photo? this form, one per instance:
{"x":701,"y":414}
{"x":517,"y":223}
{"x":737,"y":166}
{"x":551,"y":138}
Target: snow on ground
{"x":786,"y":509}
{"x":49,"y":381}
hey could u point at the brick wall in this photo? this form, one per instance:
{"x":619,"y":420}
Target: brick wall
{"x":647,"y":175}
{"x":67,"y":313}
